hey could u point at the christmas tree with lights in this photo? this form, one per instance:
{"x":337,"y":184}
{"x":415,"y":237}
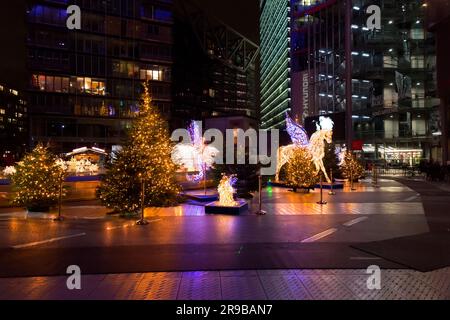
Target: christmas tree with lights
{"x":300,"y":171}
{"x":144,"y":163}
{"x":36,"y":183}
{"x":351,"y":167}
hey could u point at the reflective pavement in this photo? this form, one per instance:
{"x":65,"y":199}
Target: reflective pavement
{"x":237,"y":285}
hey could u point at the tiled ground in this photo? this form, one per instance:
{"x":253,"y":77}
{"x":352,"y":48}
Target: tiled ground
{"x":238,"y":285}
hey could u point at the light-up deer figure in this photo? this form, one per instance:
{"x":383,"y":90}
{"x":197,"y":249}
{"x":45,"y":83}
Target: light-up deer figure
{"x":315,"y":145}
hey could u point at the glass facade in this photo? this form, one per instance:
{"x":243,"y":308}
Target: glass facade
{"x":275,"y":73}
{"x":84,"y":85}
{"x":215,"y":77}
{"x":395,"y":109}
{"x":13,"y":125}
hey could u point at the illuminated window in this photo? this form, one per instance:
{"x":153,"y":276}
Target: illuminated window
{"x":65,"y":85}
{"x":390,"y":62}
{"x":418,"y":62}
{"x":80,"y":84}
{"x":417,"y":34}
{"x":98,"y":87}
{"x":155,"y":75}
{"x":57,"y":84}
{"x":41,"y":82}
{"x":50,"y":83}
{"x":87,"y":85}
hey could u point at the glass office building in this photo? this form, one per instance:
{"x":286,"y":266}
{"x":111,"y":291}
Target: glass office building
{"x":13,"y":125}
{"x":275,"y":74}
{"x":214,"y":72}
{"x":394,"y":107}
{"x":84,"y":85}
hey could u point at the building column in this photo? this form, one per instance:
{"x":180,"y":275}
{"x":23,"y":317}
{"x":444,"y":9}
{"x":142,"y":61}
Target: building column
{"x":445,"y":105}
{"x":348,"y":74}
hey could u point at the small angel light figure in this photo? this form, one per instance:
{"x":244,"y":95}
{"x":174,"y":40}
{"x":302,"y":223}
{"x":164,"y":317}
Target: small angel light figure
{"x":226,"y":191}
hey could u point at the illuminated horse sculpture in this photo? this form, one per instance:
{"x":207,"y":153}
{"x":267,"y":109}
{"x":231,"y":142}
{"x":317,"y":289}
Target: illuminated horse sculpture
{"x":315,"y":146}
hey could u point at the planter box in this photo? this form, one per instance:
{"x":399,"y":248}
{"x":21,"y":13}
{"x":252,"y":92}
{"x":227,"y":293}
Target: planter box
{"x":216,"y":208}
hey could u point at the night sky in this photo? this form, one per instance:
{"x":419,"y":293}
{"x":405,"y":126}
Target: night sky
{"x":241,"y":15}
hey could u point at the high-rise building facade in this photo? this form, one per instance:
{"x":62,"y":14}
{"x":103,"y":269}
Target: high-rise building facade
{"x":275,"y":73}
{"x":438,"y":19}
{"x":84,"y":85}
{"x":215,"y":71}
{"x":392,"y":109}
{"x":13,"y":125}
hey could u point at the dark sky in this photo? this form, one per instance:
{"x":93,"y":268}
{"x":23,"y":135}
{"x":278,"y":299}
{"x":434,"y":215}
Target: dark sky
{"x":242,"y":15}
{"x":13,"y":37}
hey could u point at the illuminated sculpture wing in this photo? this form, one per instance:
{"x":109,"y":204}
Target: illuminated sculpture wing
{"x":298,"y":134}
{"x":196,"y":135}
{"x":196,"y":155}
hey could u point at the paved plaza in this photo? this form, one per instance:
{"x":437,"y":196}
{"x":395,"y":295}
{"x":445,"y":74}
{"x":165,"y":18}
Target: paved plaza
{"x":299,"y":250}
{"x":237,"y":285}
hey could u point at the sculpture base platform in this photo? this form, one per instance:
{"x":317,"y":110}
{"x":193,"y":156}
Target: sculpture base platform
{"x":202,"y":197}
{"x":216,"y":208}
{"x":280,"y":184}
{"x":327,"y":186}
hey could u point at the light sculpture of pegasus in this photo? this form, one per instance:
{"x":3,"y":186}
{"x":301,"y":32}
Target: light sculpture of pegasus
{"x":315,"y":145}
{"x":195,"y":156}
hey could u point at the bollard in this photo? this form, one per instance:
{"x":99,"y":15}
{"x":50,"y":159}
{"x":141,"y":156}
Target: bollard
{"x":60,"y":217}
{"x":375,"y":177}
{"x":142,"y":221}
{"x":331,"y":193}
{"x":352,"y":184}
{"x":260,"y":211}
{"x":321,"y":202}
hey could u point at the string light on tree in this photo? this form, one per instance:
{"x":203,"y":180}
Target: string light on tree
{"x":36,"y":183}
{"x":300,"y":170}
{"x":351,"y":168}
{"x":145,"y":157}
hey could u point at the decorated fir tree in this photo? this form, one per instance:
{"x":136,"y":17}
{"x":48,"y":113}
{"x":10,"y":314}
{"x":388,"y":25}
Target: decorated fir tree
{"x":36,"y":183}
{"x":300,"y":171}
{"x":144,"y":162}
{"x":351,"y":167}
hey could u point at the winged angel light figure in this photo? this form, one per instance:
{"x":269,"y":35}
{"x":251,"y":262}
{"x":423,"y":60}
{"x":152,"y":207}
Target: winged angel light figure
{"x":315,"y":145}
{"x":195,"y":156}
